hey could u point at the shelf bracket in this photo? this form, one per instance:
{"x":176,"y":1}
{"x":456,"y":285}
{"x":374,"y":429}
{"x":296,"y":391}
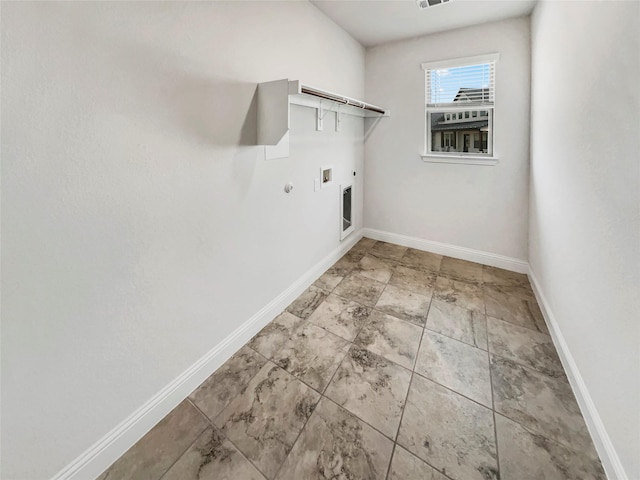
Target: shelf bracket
{"x":338,"y":119}
{"x":319,"y":117}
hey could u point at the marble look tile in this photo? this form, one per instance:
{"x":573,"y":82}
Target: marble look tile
{"x":510,"y":283}
{"x":541,"y":403}
{"x":528,"y":456}
{"x":387,"y":250}
{"x":448,"y":431}
{"x":417,"y":281}
{"x":307,"y":302}
{"x":404,"y":304}
{"x":212,"y":457}
{"x":327,"y":281}
{"x":225,"y":383}
{"x":360,"y":289}
{"x":266,"y":418}
{"x":394,"y":339}
{"x":406,"y":466}
{"x":379,"y":269}
{"x":340,"y":316}
{"x":346,"y":264}
{"x":303,"y":349}
{"x":525,"y":346}
{"x":462,"y":294}
{"x":372,"y":388}
{"x":154,"y":453}
{"x":363,"y":245}
{"x":455,"y":365}
{"x":499,"y":276}
{"x":422,"y":260}
{"x":459,"y":323}
{"x":509,"y":308}
{"x":461,"y":270}
{"x":336,"y":444}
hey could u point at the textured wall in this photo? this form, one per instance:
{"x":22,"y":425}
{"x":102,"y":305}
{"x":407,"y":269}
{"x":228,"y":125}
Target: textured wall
{"x":479,"y":207}
{"x":140,"y":228}
{"x":585,"y":199}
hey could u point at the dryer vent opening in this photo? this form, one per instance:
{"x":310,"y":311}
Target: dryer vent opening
{"x":346,"y":225}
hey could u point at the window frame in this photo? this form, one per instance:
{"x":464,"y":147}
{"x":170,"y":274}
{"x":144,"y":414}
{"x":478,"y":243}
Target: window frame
{"x":460,"y":157}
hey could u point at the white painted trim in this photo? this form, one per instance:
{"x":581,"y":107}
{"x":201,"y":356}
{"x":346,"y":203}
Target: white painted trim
{"x":608,"y":455}
{"x":109,"y":448}
{"x":464,"y":160}
{"x":461,"y":62}
{"x":485,"y":258}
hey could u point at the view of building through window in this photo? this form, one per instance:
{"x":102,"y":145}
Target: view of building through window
{"x":460,"y":131}
{"x":460,"y":108}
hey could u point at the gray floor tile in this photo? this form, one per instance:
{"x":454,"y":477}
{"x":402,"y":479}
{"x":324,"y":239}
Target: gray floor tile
{"x":462,"y":294}
{"x":328,"y":282}
{"x":266,"y":418}
{"x":461,"y":270}
{"x":541,"y":403}
{"x":303,"y":349}
{"x":387,"y":250}
{"x":530,"y":348}
{"x":360,"y":289}
{"x":212,"y":457}
{"x":525,"y":313}
{"x":406,"y":466}
{"x":336,"y":444}
{"x":154,"y":453}
{"x":394,"y":339}
{"x":455,"y":365}
{"x":404,"y":304}
{"x":450,"y":432}
{"x":379,"y":269}
{"x":268,"y":422}
{"x":305,"y":304}
{"x":425,"y":261}
{"x":417,"y":281}
{"x":372,"y":388}
{"x":459,"y":323}
{"x":525,"y":455}
{"x":225,"y":383}
{"x":510,"y":283}
{"x":340,"y":316}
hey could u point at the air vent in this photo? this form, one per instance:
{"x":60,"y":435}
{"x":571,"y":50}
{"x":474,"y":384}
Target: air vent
{"x":429,"y":3}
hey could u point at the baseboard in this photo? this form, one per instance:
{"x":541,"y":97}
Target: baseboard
{"x":608,"y":455}
{"x":485,"y":258}
{"x":108,"y":449}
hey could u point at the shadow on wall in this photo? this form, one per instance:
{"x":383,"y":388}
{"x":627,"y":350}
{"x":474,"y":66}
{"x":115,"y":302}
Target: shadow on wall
{"x":167,"y":91}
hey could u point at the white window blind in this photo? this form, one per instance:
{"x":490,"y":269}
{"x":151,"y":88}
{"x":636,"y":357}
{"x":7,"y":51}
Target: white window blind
{"x":460,"y":82}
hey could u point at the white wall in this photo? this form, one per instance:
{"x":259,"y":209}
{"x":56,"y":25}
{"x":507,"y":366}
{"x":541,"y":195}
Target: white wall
{"x":139,"y":227}
{"x":478,"y":207}
{"x":585,"y":202}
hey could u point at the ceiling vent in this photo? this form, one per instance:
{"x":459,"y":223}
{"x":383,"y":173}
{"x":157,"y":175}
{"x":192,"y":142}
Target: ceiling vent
{"x":429,"y":3}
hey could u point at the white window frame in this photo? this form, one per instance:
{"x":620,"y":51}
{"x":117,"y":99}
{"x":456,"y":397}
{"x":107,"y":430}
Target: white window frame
{"x":460,"y":157}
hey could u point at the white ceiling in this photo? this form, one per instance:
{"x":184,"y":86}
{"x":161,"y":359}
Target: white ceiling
{"x":373,"y":22}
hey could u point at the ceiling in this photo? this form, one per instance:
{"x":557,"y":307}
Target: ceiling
{"x":373,"y":22}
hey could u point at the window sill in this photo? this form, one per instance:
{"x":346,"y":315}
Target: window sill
{"x":461,"y":159}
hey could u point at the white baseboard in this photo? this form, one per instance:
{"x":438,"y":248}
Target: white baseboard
{"x":485,"y":258}
{"x":608,"y":455}
{"x":108,"y":449}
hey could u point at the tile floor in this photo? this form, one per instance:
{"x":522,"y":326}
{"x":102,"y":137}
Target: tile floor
{"x":395,"y":364}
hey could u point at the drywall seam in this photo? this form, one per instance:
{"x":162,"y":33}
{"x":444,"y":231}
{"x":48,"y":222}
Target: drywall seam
{"x":109,"y":448}
{"x":608,"y":455}
{"x":485,"y":258}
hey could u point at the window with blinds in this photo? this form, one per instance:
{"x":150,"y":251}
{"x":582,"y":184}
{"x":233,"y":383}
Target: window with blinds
{"x":459,"y":102}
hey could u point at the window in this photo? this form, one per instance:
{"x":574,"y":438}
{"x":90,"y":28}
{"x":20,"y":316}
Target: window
{"x":455,"y":89}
